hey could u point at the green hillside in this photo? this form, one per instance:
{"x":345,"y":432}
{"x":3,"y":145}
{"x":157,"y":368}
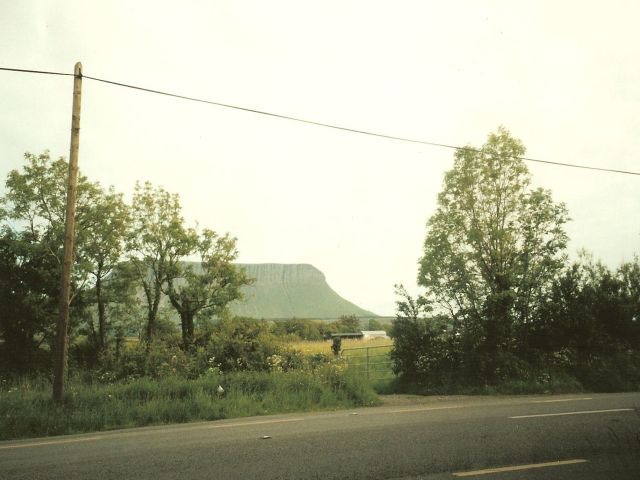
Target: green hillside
{"x":291,"y":290}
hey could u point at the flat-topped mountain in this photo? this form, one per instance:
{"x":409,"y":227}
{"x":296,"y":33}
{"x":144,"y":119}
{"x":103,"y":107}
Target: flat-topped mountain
{"x":283,"y":291}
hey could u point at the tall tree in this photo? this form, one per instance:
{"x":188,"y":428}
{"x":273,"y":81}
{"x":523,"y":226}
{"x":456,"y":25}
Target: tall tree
{"x":33,"y":212}
{"x":158,"y":240}
{"x":492,"y":247}
{"x":208,"y":286}
{"x":102,"y":233}
{"x":35,"y":203}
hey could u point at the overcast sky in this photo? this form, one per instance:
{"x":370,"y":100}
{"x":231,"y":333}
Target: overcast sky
{"x":564,"y":77}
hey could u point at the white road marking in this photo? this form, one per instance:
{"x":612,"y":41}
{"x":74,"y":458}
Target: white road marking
{"x":149,"y":432}
{"x":518,"y":467}
{"x":263,"y":422}
{"x":575,"y":413}
{"x":51,"y":442}
{"x":426,"y":409}
{"x":562,"y":400}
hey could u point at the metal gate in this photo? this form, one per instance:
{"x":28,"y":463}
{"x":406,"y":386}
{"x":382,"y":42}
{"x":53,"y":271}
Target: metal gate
{"x":374,"y":363}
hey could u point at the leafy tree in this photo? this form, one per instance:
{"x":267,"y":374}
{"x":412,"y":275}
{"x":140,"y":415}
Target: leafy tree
{"x":28,"y":303}
{"x":300,"y":328}
{"x":33,"y":212}
{"x":348,"y":324}
{"x":375,"y":324}
{"x":36,"y":201}
{"x":208,"y":286}
{"x":102,"y":235}
{"x":589,"y":325}
{"x":629,"y":273}
{"x":345,"y":324}
{"x":157,"y":241}
{"x":35,"y":206}
{"x":493,"y":247}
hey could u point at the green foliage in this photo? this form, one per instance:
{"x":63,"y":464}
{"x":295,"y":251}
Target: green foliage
{"x":207,"y":287}
{"x":298,"y":329}
{"x":375,"y":324}
{"x":241,"y":344}
{"x":26,"y":409}
{"x":32,"y":215}
{"x":492,"y":248}
{"x":349,"y":323}
{"x":590,"y":325}
{"x":28,"y":289}
{"x":586,"y":335}
{"x":345,"y":324}
{"x":424,"y":350}
{"x":102,"y":234}
{"x":500,"y":308}
{"x":157,"y":242}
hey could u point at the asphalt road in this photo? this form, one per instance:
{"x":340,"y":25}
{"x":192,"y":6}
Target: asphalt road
{"x":583,"y":436}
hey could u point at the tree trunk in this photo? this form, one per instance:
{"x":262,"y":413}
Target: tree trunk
{"x":101,"y":312}
{"x":186,"y":320}
{"x":498,"y":328}
{"x":151,"y":317}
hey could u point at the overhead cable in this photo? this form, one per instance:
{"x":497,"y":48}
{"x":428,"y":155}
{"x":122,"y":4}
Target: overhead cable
{"x":320,"y":124}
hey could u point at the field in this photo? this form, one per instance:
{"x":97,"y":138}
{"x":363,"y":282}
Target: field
{"x":368,"y":359}
{"x":309,"y":347}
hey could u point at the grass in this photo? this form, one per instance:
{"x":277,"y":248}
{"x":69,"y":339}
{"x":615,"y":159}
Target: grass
{"x":26,"y":410}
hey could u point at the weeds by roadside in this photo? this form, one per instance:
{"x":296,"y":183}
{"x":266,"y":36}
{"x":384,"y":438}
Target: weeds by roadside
{"x":26,"y":409}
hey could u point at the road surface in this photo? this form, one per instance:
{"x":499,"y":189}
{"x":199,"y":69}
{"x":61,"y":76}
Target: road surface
{"x":585,"y":436}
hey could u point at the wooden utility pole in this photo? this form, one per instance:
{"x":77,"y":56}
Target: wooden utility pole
{"x":60,"y":365}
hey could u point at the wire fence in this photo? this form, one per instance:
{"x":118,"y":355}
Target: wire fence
{"x":374,"y":362}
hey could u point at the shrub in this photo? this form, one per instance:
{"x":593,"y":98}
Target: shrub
{"x":242,"y":344}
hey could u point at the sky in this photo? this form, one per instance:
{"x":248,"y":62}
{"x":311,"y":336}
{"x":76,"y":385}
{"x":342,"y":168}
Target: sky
{"x":564,"y":77}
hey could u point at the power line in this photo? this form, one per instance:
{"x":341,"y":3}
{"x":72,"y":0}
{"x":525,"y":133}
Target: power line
{"x":320,"y":124}
{"x":22,"y":70}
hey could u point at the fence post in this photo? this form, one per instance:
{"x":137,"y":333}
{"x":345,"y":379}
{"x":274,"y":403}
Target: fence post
{"x":368,"y":363}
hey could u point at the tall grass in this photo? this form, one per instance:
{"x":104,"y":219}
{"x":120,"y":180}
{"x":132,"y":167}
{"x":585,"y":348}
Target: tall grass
{"x":26,"y":410}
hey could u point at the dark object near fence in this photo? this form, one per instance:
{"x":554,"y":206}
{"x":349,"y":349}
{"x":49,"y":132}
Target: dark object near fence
{"x":336,"y":345}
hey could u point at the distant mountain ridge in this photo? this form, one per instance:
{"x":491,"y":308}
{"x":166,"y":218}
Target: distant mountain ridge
{"x":283,"y":291}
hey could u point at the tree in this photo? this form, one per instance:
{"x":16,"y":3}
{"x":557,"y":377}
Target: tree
{"x":375,"y":324}
{"x":492,"y":248}
{"x":36,"y":201}
{"x":208,"y":286}
{"x":35,"y":204}
{"x":28,"y":304}
{"x":157,"y":241}
{"x":32,"y":214}
{"x":421,"y":345}
{"x":589,"y":323}
{"x":102,"y":235}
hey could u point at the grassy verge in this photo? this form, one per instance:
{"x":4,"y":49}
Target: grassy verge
{"x":26,"y":410}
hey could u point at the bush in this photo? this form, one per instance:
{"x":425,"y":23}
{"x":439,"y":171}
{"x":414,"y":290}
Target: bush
{"x":241,"y":344}
{"x":421,"y":351}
